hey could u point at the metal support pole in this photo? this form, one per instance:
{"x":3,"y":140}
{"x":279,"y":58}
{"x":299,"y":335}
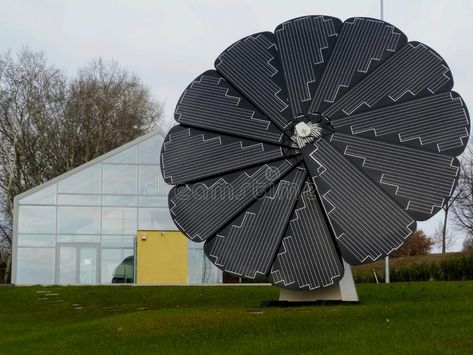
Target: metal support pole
{"x":446,"y":207}
{"x":444,"y":231}
{"x":386,"y":269}
{"x":386,"y":260}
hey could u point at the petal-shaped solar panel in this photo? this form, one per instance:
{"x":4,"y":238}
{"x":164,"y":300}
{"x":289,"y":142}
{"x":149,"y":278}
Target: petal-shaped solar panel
{"x":321,"y":143}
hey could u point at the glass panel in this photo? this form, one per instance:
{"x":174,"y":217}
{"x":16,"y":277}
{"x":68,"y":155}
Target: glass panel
{"x":67,"y":265}
{"x":79,"y":200}
{"x":78,"y":238}
{"x":194,"y":245}
{"x":119,"y":200}
{"x":45,"y":196}
{"x":35,"y":266}
{"x":155,"y":219}
{"x":118,"y":241}
{"x":78,"y":220}
{"x":87,"y":181}
{"x":119,"y":179}
{"x":31,"y":240}
{"x":37,"y":219}
{"x":129,"y":156}
{"x":117,"y":220}
{"x":214,"y":275}
{"x":153,"y":201}
{"x":150,"y":150}
{"x":201,"y":270}
{"x":195,"y":265}
{"x":150,"y":181}
{"x":117,"y":266}
{"x":88,"y":265}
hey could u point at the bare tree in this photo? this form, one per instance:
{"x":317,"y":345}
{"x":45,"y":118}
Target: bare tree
{"x":49,"y":124}
{"x":31,"y":99}
{"x":463,"y":205}
{"x":468,"y":243}
{"x":442,"y":239}
{"x":106,"y":107}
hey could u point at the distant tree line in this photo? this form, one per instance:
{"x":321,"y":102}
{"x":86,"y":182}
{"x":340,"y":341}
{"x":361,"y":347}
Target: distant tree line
{"x":51,"y":123}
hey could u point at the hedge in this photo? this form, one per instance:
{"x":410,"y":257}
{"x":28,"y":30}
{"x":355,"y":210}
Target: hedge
{"x":452,"y":269}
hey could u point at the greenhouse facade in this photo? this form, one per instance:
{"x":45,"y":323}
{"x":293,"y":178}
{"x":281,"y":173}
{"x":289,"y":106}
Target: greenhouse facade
{"x":82,"y":227}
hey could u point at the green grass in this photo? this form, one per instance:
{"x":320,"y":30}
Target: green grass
{"x":412,"y":318}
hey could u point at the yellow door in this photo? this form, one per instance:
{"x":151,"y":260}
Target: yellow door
{"x":161,"y":257}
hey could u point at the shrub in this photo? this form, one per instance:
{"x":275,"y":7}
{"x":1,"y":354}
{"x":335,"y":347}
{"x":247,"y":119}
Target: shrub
{"x":452,"y":269}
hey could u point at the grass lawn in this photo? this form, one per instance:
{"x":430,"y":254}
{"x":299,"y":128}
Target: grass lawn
{"x":412,"y":318}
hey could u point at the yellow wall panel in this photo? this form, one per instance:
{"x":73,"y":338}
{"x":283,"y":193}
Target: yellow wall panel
{"x":161,"y":257}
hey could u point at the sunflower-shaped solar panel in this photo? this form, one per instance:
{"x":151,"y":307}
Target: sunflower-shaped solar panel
{"x":321,"y":142}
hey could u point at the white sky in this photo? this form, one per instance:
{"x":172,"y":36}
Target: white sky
{"x":169,"y":43}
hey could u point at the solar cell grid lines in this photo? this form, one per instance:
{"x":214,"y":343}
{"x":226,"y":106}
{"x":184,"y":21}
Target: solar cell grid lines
{"x":314,"y":146}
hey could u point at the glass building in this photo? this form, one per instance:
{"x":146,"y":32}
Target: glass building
{"x":81,"y":227}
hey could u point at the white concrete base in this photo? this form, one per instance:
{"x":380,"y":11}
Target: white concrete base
{"x":344,"y":290}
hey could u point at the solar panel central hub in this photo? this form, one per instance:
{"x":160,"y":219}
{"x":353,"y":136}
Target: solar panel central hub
{"x":303,"y":129}
{"x":306,"y":132}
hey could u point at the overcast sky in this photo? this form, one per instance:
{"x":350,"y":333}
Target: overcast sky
{"x":168,"y":43}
